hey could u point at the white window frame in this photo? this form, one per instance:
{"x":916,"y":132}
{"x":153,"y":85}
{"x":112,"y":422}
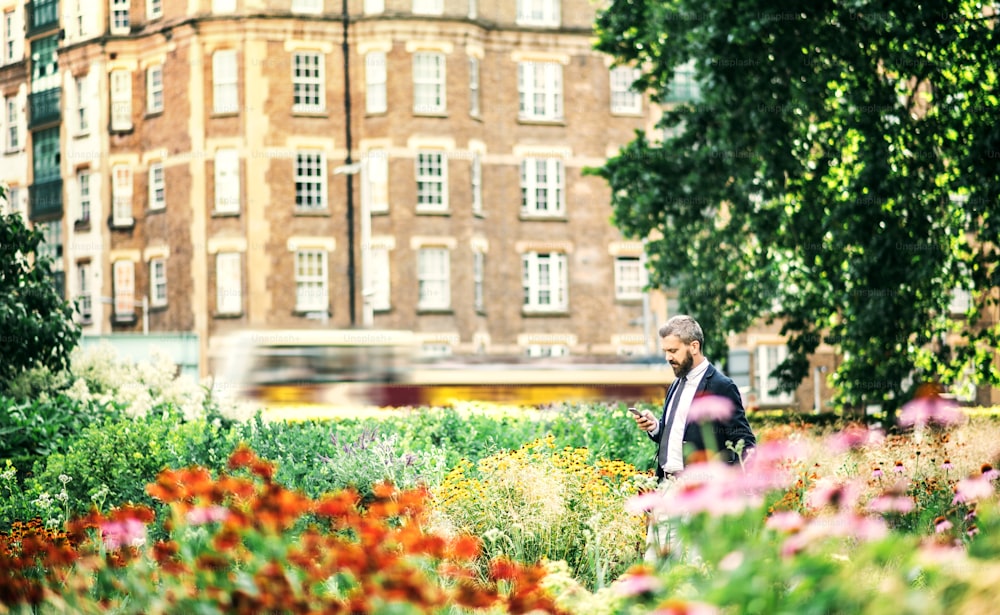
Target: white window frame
{"x":310,"y":181}
{"x":121,"y":99}
{"x":538,"y":351}
{"x":429,"y":82}
{"x":311,"y":281}
{"x":225,"y":82}
{"x":13,"y":201}
{"x":227,"y":181}
{"x":154,"y":89}
{"x":121,"y":196}
{"x":630,"y":278}
{"x":223,"y":6}
{"x":381,"y":280}
{"x":545,"y":282}
{"x":474,"y":110}
{"x":478,"y":277}
{"x":307,"y":7}
{"x":229,"y":283}
{"x":538,"y":13}
{"x":157,"y":182}
{"x":433,"y":278}
{"x":154,"y":9}
{"x":13,"y":37}
{"x":476,"y":183}
{"x":123,"y":280}
{"x":378,"y":181}
{"x":13,"y":124}
{"x":119,"y":14}
{"x":158,"y":282}
{"x":308,"y":82}
{"x":473,"y":9}
{"x":81,"y":17}
{"x":84,"y":301}
{"x":540,"y":91}
{"x":82,"y":105}
{"x":374,"y":7}
{"x":765,"y":364}
{"x":84,"y":197}
{"x":543,"y":187}
{"x":432,"y":188}
{"x":428,"y":7}
{"x":624,"y":99}
{"x":375,"y":82}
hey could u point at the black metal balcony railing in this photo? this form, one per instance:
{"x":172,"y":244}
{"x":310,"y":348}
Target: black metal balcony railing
{"x":44,"y":107}
{"x":45,"y":200}
{"x":59,"y":282}
{"x":43,"y":15}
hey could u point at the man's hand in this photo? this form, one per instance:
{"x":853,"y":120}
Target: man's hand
{"x":646,"y":421}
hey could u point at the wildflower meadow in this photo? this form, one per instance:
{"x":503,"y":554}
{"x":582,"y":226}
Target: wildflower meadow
{"x":166,"y":501}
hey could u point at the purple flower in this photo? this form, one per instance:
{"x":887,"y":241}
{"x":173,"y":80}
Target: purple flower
{"x":898,"y":467}
{"x":930,"y":410}
{"x":946,"y":465}
{"x":972,"y":490}
{"x":942,"y":525}
{"x":710,"y":408}
{"x":128,"y":532}
{"x":876,"y":472}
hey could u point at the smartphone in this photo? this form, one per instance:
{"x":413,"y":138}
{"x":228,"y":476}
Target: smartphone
{"x":634,"y":411}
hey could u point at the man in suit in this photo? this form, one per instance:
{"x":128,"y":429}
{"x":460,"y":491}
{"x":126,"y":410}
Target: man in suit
{"x":680,"y":439}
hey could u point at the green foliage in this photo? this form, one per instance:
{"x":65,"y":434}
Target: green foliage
{"x":36,"y":322}
{"x":838,"y":172}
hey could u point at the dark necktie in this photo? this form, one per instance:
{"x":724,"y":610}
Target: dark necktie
{"x":675,"y":401}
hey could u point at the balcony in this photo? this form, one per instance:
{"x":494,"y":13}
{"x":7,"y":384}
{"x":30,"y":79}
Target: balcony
{"x":44,"y":107}
{"x":43,"y":15}
{"x":45,"y":200}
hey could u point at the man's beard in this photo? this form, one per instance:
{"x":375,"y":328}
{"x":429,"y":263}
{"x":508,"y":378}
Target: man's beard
{"x":684,"y":367}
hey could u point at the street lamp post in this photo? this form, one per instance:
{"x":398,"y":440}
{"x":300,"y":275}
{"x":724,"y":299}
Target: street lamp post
{"x":360,"y":168}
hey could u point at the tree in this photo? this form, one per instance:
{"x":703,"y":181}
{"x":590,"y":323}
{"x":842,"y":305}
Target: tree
{"x":839,"y":173}
{"x":36,"y":323}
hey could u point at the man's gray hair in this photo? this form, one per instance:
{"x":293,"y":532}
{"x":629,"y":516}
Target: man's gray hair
{"x":684,"y":327}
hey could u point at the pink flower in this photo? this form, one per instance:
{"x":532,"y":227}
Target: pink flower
{"x":942,"y":525}
{"x":972,"y":490}
{"x":674,"y":606}
{"x":637,"y":584}
{"x":842,"y":525}
{"x":767,"y":465}
{"x":876,"y":472}
{"x":731,"y":561}
{"x":827,"y":492}
{"x":850,"y":438}
{"x":710,"y":408}
{"x":713,"y":487}
{"x":209,"y":514}
{"x":930,"y":410}
{"x":786,"y":521}
{"x":643,"y":503}
{"x":128,"y":532}
{"x":892,"y":504}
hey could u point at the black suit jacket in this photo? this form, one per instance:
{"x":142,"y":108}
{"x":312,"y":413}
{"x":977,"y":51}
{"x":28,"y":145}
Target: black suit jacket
{"x":736,"y":428}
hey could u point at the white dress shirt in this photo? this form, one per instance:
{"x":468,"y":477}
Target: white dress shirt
{"x":675,"y":450}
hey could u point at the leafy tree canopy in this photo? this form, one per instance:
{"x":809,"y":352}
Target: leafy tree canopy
{"x":36,"y":323}
{"x":837,"y":171}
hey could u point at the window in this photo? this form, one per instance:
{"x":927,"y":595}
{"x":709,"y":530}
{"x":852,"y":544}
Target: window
{"x":157,"y":282}
{"x":82,"y":100}
{"x":432,"y":182}
{"x":13,"y":203}
{"x":738,"y":368}
{"x":223,"y":6}
{"x":624,"y":99}
{"x":123,"y":279}
{"x":310,"y":281}
{"x":13,"y":125}
{"x":51,"y":246}
{"x":473,"y":9}
{"x":121,"y":196}
{"x":768,"y":358}
{"x":83,"y":185}
{"x":13,"y":37}
{"x":428,"y":83}
{"x":310,"y":181}
{"x":227,"y":181}
{"x":542,"y":187}
{"x":228,"y":283}
{"x":476,"y":176}
{"x":373,"y":7}
{"x":478,"y":269}
{"x":157,"y":186}
{"x":154,"y":89}
{"x":433,"y":279}
{"x":45,"y":157}
{"x":545,"y":281}
{"x":120,"y":16}
{"x":538,"y":12}
{"x":474,"y":86}
{"x":154,"y":9}
{"x":630,"y":277}
{"x":378,"y":180}
{"x":307,"y":82}
{"x":45,"y":68}
{"x":81,"y":18}
{"x":435,"y":350}
{"x":380,"y":279}
{"x":225,"y":95}
{"x":684,"y":88}
{"x":83,"y":299}
{"x":121,"y":100}
{"x":539,"y":86}
{"x":546,"y":350}
{"x":428,"y":7}
{"x":375,"y":101}
{"x":312,"y":7}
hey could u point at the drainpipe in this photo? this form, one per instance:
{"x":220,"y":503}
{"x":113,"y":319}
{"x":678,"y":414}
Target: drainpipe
{"x":348,"y":143}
